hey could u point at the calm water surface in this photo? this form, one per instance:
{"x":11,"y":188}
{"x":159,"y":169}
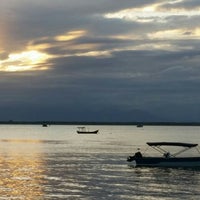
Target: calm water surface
{"x":57,"y":163}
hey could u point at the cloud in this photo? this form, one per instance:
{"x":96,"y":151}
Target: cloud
{"x":62,"y":59}
{"x":181,"y":5}
{"x":24,"y":61}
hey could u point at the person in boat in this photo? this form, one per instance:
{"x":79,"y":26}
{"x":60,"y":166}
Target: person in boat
{"x":137,"y":155}
{"x":167,"y":155}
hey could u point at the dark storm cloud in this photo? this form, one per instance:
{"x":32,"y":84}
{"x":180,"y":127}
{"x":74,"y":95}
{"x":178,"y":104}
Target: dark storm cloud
{"x":35,"y":20}
{"x":116,"y":70}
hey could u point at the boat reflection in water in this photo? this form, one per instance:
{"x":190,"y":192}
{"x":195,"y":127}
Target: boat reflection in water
{"x":167,"y":159}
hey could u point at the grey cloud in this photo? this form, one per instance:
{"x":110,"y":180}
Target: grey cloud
{"x":31,"y":20}
{"x":192,"y":4}
{"x":129,"y":85}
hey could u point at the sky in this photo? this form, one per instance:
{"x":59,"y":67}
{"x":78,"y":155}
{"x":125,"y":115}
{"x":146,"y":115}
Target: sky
{"x":105,"y":60}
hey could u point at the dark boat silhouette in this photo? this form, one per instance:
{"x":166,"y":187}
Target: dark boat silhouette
{"x":167,"y":159}
{"x":83,"y":130}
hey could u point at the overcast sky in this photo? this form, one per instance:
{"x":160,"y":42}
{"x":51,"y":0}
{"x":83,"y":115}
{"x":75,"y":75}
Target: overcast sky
{"x":105,"y":60}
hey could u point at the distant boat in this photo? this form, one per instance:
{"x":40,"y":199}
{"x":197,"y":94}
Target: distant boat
{"x":44,"y":125}
{"x":140,"y":125}
{"x":83,"y":130}
{"x":167,"y":159}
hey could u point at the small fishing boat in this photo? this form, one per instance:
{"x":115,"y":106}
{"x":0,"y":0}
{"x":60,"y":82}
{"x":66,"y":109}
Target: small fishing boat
{"x":140,"y":125}
{"x":167,"y":159}
{"x":44,"y":125}
{"x":84,"y":130}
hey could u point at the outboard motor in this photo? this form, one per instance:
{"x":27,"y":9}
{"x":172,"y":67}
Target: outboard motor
{"x":130,"y":158}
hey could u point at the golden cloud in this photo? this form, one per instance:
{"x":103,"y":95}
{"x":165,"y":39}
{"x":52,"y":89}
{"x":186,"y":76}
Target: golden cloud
{"x":70,"y":35}
{"x":175,"y":34}
{"x":24,"y":61}
{"x":155,"y":12}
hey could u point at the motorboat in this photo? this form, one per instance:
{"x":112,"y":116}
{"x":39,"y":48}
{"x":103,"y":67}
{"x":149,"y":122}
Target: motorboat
{"x":167,"y":159}
{"x":84,"y":130}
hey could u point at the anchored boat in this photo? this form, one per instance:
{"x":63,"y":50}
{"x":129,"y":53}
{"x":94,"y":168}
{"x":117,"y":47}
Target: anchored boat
{"x":83,"y":130}
{"x":167,"y":159}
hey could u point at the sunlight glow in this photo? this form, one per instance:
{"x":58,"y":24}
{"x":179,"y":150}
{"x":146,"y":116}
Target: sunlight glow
{"x":95,"y":54}
{"x":151,"y":13}
{"x":38,"y":47}
{"x":24,"y":61}
{"x":175,"y":1}
{"x":70,"y":35}
{"x":175,"y":34}
{"x":149,"y":9}
{"x":26,"y":171}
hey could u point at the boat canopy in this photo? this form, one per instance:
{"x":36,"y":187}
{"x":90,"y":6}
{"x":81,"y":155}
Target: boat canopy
{"x":189,"y":145}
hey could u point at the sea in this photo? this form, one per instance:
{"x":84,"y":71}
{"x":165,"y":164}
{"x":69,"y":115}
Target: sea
{"x":54,"y":162}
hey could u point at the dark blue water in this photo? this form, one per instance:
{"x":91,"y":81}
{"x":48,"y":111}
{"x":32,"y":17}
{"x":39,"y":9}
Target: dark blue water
{"x":57,"y":163}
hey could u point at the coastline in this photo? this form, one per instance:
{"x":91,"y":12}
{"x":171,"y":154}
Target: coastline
{"x":11,"y":122}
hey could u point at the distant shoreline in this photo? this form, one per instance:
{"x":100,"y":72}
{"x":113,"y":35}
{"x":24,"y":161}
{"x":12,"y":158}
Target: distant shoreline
{"x":100,"y":123}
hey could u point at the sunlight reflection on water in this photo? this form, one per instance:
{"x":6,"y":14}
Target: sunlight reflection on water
{"x":20,"y":177}
{"x":56,"y":163}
